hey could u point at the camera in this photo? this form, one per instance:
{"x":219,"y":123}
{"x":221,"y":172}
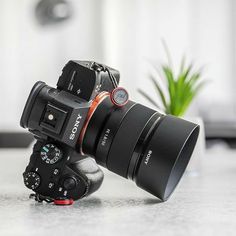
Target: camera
{"x":89,"y":115}
{"x":59,"y":174}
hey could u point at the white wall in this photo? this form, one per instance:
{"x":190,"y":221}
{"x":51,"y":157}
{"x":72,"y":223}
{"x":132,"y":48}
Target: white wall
{"x":30,"y":52}
{"x":134,"y":31}
{"x":213,"y":42}
{"x":203,"y":30}
{"x":125,"y":34}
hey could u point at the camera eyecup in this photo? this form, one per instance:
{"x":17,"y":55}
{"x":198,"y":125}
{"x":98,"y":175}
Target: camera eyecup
{"x":30,"y":102}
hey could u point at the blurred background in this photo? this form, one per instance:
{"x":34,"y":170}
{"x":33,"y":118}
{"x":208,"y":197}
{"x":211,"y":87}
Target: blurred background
{"x":37,"y":37}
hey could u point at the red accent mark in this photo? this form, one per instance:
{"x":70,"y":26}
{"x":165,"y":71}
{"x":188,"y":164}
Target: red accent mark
{"x":63,"y":202}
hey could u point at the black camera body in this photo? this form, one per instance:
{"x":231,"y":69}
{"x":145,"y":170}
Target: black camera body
{"x":68,"y":105}
{"x":57,"y":172}
{"x":85,"y":79}
{"x":89,"y":115}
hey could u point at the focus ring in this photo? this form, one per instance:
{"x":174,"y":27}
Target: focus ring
{"x":95,"y":125}
{"x":109,"y":132}
{"x":126,"y":138}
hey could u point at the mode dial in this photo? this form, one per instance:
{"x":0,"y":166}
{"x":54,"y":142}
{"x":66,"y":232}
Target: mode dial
{"x":31,"y":180}
{"x":50,"y":153}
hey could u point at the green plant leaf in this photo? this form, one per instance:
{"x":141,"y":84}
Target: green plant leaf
{"x":181,"y":88}
{"x":167,"y":51}
{"x":159,"y":71}
{"x":159,"y":91}
{"x":149,"y":99}
{"x":185,"y":72}
{"x":182,"y":65}
{"x":171,"y":86}
{"x":199,"y":87}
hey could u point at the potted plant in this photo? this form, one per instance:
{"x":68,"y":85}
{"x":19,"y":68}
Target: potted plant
{"x":175,"y":94}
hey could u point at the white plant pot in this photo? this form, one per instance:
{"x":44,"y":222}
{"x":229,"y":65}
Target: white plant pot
{"x":194,"y":166}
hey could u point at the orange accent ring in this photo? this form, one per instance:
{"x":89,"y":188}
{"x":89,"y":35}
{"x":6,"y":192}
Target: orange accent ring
{"x":98,"y":99}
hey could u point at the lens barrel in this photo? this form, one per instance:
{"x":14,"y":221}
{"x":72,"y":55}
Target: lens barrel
{"x":139,"y":143}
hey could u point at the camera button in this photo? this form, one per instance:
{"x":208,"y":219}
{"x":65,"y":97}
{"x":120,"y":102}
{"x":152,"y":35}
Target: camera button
{"x":56,"y":172}
{"x":51,"y":185}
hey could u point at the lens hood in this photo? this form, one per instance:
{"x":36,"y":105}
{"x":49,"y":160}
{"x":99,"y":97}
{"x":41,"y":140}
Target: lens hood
{"x":166,"y":156}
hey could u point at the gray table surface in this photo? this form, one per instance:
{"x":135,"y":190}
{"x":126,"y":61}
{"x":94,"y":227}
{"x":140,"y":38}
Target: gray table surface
{"x":201,"y":205}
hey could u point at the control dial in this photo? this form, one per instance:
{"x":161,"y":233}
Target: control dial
{"x":31,"y":180}
{"x":50,"y":154}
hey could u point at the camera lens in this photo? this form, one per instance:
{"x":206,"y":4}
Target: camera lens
{"x":165,"y":156}
{"x":139,"y":143}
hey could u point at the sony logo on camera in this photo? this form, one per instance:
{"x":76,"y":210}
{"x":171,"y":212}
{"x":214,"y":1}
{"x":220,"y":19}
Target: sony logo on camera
{"x":146,"y":160}
{"x":75,"y":127}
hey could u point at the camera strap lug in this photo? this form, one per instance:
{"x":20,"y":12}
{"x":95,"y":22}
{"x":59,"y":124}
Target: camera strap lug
{"x":119,"y":96}
{"x":39,"y":198}
{"x":100,"y":67}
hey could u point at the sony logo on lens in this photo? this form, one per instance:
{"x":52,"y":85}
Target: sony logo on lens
{"x":75,"y":127}
{"x":148,"y":157}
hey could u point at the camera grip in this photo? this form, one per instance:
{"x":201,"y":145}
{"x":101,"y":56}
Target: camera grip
{"x":91,"y":171}
{"x":56,"y":171}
